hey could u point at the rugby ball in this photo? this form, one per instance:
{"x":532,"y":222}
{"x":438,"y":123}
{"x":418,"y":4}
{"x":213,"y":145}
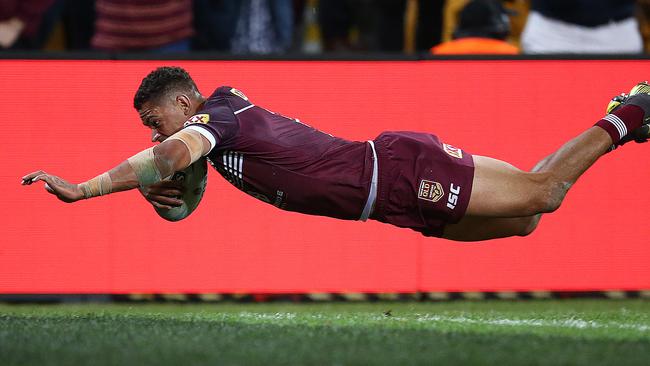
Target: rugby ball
{"x":194,"y":179}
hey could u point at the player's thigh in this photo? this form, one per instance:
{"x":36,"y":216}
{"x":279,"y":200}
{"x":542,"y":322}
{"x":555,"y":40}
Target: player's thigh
{"x":474,"y":228}
{"x":501,"y":190}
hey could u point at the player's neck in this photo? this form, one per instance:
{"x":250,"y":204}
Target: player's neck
{"x":201,"y":103}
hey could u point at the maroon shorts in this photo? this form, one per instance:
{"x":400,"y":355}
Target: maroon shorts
{"x":423,"y":183}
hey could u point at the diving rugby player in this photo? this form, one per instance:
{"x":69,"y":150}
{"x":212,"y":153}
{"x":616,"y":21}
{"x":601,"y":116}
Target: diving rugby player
{"x":407,"y":179}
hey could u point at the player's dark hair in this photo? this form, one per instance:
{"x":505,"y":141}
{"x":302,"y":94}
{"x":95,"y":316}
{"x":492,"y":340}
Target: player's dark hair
{"x":162,"y":81}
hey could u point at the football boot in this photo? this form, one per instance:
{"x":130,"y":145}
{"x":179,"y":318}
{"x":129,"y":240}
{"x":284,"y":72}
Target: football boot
{"x":641,"y":134}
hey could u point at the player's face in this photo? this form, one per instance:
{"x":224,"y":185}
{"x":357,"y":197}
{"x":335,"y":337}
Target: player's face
{"x":165,"y":118}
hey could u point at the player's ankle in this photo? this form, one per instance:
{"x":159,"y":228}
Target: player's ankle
{"x":622,"y":121}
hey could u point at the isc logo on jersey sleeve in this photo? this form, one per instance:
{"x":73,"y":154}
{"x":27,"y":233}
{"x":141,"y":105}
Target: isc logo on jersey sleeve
{"x":453,"y":151}
{"x":198,"y":118}
{"x":430,"y":191}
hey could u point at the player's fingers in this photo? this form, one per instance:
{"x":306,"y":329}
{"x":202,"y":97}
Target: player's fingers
{"x":164,"y":200}
{"x":50,"y":185}
{"x":29,"y":178}
{"x":168,"y":192}
{"x":160,"y":206}
{"x":161,"y":187}
{"x":35,"y":179}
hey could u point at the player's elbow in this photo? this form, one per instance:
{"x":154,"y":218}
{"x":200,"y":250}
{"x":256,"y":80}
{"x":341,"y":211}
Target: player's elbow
{"x":171,"y":156}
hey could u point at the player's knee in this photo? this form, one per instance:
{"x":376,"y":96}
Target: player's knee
{"x":555,"y":192}
{"x":546,"y":204}
{"x":538,"y":203}
{"x":549,"y":196}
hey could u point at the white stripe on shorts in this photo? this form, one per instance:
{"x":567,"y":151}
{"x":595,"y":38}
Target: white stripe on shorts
{"x":372,"y":195}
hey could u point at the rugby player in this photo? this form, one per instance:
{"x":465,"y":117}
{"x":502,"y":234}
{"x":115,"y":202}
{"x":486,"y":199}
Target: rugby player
{"x":407,"y":179}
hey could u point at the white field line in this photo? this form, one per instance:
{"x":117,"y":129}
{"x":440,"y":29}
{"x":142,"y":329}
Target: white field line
{"x":573,"y":323}
{"x":563,"y":323}
{"x":267,"y":316}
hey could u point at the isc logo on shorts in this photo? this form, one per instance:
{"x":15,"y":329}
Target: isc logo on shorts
{"x":430,"y":191}
{"x":453,"y":151}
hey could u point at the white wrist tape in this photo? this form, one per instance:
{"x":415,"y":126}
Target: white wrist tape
{"x":192,"y":140}
{"x":98,"y":186}
{"x":144,"y":166}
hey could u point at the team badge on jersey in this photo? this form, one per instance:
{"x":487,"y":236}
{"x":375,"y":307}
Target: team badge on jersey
{"x":238,"y":93}
{"x":198,"y":118}
{"x":453,"y":151}
{"x":430,"y":191}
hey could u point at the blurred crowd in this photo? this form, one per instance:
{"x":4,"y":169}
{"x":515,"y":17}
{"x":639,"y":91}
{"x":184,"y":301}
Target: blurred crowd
{"x":259,"y":27}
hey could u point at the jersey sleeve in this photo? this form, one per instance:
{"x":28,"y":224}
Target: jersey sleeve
{"x":217,"y":121}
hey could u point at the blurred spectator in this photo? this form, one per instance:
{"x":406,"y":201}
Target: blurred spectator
{"x":67,"y":25}
{"x":312,"y":40}
{"x":143,"y":25}
{"x":362,"y":25}
{"x":451,"y":10}
{"x":244,"y":26}
{"x":643,"y":16}
{"x":429,"y":24}
{"x":20,"y":21}
{"x":380,"y":25}
{"x":483,"y":27}
{"x":215,"y":22}
{"x":78,"y":18}
{"x":263,"y":26}
{"x":582,"y":26}
{"x":518,"y":14}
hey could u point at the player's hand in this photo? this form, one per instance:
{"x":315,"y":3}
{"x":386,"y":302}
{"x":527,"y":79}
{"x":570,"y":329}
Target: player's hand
{"x":66,"y":192}
{"x":165,"y":194}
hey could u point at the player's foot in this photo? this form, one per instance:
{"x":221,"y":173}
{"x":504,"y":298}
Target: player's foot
{"x":641,"y":134}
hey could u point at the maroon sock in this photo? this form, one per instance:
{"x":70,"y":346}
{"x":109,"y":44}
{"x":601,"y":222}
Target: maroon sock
{"x":622,"y":121}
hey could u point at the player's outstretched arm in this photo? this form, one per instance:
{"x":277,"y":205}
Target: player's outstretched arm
{"x":143,"y":169}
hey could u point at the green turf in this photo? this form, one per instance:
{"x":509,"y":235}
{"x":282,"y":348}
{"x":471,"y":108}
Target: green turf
{"x":576,"y":332}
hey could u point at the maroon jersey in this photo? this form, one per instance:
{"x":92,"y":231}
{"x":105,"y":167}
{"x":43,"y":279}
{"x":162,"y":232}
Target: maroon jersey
{"x":282,"y":161}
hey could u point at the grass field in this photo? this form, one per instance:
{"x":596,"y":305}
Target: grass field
{"x":576,"y":332}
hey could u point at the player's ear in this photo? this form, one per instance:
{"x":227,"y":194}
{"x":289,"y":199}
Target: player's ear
{"x":185,"y":104}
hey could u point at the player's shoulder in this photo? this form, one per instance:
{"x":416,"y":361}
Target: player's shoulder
{"x":222,"y":105}
{"x":229,"y":92}
{"x":233,"y":98}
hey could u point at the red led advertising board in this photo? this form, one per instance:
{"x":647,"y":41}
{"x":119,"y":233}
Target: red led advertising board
{"x":75,"y":119}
